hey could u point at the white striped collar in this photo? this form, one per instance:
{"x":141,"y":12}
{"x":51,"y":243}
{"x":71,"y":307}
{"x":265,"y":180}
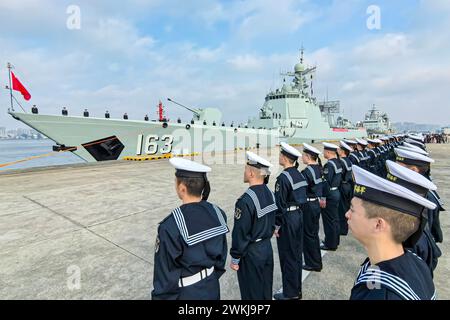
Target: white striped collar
{"x":261,"y":211}
{"x":336,"y":170}
{"x":346,"y":165}
{"x":372,"y":275}
{"x":355,"y":156}
{"x":203,"y":235}
{"x":313,"y":173}
{"x":297,"y":185}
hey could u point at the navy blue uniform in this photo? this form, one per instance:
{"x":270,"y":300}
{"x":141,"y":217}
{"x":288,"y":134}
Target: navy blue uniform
{"x":290,"y":195}
{"x":311,"y":216}
{"x":330,"y":217}
{"x":353,"y":156}
{"x":435,"y":224}
{"x":191,"y":242}
{"x":426,"y":247}
{"x":372,"y":161}
{"x":346,"y":190}
{"x":254,"y":224}
{"x":382,"y":153}
{"x":362,"y":159}
{"x":403,"y":278}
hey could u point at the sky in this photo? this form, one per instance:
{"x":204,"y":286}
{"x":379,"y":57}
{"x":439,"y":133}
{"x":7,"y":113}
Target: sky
{"x":125,"y":56}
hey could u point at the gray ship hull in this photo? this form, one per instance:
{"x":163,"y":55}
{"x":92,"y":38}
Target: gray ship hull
{"x":98,"y":139}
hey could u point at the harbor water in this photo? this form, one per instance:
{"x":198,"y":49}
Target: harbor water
{"x":14,"y":150}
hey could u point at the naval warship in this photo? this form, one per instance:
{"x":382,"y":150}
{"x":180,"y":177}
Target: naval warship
{"x":290,"y":113}
{"x":377,"y":122}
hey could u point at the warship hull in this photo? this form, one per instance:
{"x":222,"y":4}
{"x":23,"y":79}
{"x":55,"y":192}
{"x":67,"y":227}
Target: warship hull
{"x":98,"y":139}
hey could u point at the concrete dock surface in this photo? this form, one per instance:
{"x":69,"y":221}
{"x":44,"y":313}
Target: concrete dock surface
{"x":88,"y":231}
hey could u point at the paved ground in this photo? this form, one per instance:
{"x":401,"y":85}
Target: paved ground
{"x":100,"y":221}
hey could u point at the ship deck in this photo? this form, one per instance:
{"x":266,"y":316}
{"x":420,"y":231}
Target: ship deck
{"x":101,"y":219}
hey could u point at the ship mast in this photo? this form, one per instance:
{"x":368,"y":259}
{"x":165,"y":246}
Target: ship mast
{"x":9,"y":66}
{"x":302,"y":51}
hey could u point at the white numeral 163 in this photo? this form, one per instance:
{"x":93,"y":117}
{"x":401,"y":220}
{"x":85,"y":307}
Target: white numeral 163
{"x":151,"y":144}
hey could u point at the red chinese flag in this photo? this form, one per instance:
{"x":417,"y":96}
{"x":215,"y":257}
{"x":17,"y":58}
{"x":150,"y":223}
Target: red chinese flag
{"x":18,"y":86}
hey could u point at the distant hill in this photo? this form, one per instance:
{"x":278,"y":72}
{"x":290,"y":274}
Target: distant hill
{"x":411,"y":126}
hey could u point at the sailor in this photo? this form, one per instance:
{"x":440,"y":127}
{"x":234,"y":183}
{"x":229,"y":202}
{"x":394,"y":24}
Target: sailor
{"x":382,"y":216}
{"x":422,"y":164}
{"x":361,"y":146}
{"x":425,"y":247}
{"x":346,"y":187}
{"x":383,"y":153}
{"x":290,"y":196}
{"x":372,"y":157}
{"x":191,"y":246}
{"x":331,"y":196}
{"x":254,"y":225}
{"x":311,"y":214}
{"x":353,"y":156}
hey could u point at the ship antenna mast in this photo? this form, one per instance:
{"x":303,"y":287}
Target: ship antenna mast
{"x":302,"y":50}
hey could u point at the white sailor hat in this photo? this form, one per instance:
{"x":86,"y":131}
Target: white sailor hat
{"x":329,"y":146}
{"x":415,"y":143}
{"x":311,"y":150}
{"x":379,"y":141}
{"x":189,"y":169}
{"x":373,"y":141}
{"x":361,"y":142}
{"x":408,"y":178}
{"x":347,"y":141}
{"x":289,"y":151}
{"x":256,"y":161}
{"x":410,"y":147}
{"x":411,"y":157}
{"x":416,"y":137}
{"x":384,"y":138}
{"x":343,"y":145}
{"x":380,"y":191}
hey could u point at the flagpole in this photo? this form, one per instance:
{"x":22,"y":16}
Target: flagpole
{"x":10,"y":85}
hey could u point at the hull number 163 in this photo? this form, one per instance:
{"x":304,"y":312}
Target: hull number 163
{"x":150,"y":145}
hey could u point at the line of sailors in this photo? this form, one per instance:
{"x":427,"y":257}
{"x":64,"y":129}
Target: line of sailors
{"x":391,"y":174}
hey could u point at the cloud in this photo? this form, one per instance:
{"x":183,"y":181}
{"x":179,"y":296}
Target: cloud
{"x":119,"y":35}
{"x":385,"y":48}
{"x":266,"y":18}
{"x":246,"y":62}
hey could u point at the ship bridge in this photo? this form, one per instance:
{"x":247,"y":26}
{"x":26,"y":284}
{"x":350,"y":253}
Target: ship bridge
{"x":293,"y":109}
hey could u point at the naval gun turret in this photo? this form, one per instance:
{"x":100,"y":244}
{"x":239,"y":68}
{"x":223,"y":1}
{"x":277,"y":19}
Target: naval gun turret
{"x":206,"y":115}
